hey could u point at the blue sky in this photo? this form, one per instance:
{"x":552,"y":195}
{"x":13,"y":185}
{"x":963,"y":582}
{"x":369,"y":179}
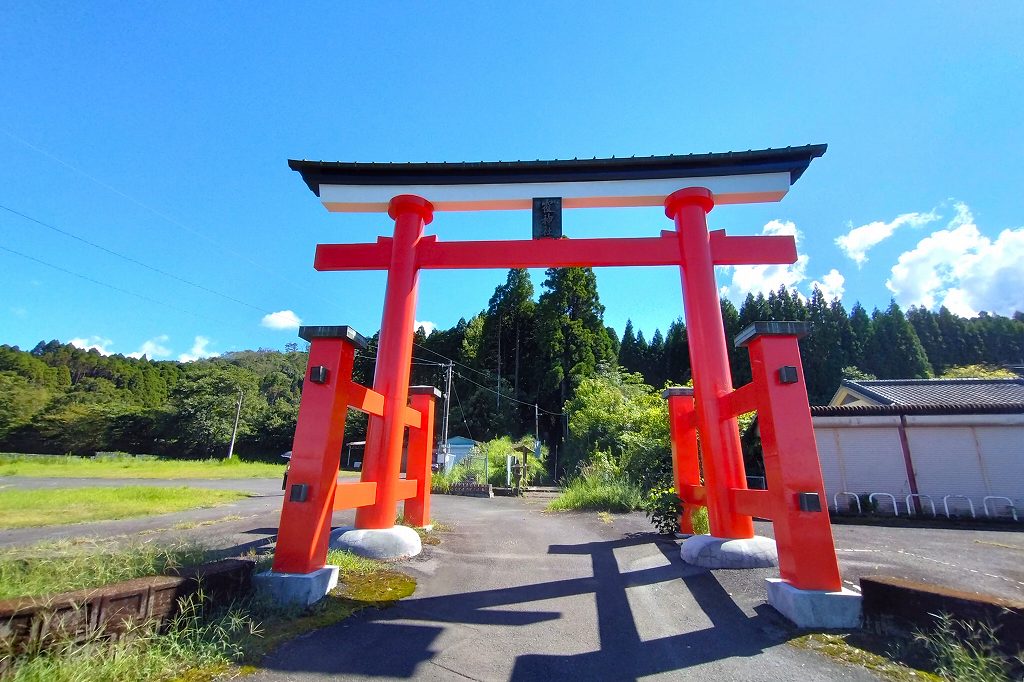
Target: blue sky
{"x":161,"y":133}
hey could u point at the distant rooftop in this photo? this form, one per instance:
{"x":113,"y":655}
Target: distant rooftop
{"x":734,"y":177}
{"x":931,"y":392}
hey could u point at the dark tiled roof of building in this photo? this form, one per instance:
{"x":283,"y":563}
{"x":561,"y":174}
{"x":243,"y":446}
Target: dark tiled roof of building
{"x":941,"y":392}
{"x":915,"y":410}
{"x":793,"y":160}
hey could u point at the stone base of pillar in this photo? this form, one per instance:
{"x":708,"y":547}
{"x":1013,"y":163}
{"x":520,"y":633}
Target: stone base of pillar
{"x":385,"y":544}
{"x":813,"y":608}
{"x":708,"y":551}
{"x":296,"y":589}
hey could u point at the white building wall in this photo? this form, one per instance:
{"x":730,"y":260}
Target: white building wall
{"x":971,"y":455}
{"x":947,"y":462}
{"x":856,"y":456}
{"x":1003,"y":447}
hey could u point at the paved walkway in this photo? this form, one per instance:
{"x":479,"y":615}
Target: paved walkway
{"x":514,"y":593}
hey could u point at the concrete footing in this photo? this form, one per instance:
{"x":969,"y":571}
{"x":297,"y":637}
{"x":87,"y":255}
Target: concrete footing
{"x":386,"y":544}
{"x":813,"y":608}
{"x":298,"y":589}
{"x":708,"y":551}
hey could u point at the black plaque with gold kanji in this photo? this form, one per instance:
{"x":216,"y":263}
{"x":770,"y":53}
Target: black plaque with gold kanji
{"x":547,"y":218}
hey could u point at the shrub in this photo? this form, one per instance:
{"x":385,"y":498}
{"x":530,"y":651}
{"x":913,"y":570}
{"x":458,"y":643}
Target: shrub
{"x":620,"y":495}
{"x":442,"y":481}
{"x":700,"y":521}
{"x":663,"y":508}
{"x":496,"y":451}
{"x":600,"y":486}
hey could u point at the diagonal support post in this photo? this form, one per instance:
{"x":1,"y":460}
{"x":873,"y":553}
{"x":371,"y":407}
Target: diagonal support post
{"x":305,"y":527}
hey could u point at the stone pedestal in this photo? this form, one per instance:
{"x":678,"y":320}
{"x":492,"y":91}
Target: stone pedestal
{"x":708,"y":551}
{"x":298,"y":589}
{"x":386,"y":544}
{"x":813,"y":608}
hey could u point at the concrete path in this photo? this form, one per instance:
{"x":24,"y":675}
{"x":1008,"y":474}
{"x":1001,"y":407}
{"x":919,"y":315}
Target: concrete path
{"x":513,"y":593}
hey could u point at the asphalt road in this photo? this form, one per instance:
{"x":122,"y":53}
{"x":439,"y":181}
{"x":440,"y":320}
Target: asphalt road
{"x":513,"y":592}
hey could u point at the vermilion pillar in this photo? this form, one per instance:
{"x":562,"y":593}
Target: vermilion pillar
{"x":685,"y":459}
{"x":720,"y":440}
{"x":417,"y":464}
{"x":383,"y":460}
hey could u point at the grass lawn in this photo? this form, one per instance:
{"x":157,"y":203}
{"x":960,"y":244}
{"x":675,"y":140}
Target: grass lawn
{"x":64,"y":565}
{"x":56,"y":466}
{"x":24,"y":508}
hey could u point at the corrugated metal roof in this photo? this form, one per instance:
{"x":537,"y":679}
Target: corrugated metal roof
{"x":941,"y":392}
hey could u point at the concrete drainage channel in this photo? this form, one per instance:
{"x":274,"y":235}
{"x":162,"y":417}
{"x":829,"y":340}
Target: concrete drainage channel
{"x":29,"y":623}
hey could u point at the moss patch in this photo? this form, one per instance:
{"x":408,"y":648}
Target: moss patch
{"x":864,"y":650}
{"x":357,"y":589}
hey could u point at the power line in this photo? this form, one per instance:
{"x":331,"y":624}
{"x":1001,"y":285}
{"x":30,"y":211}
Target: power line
{"x":102,"y":284}
{"x":167,"y":218}
{"x":508,"y":397}
{"x":471,"y":369}
{"x":462,"y":412}
{"x":132,"y":260}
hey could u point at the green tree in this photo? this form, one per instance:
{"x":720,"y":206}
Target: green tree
{"x":571,"y":322}
{"x":977,"y":372}
{"x":206,"y":402}
{"x":629,"y":355}
{"x":862,"y":330}
{"x":677,"y":353}
{"x":823,"y":354}
{"x":894,"y":351}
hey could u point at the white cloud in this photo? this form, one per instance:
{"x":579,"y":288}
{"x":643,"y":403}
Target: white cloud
{"x":153,"y":348}
{"x":93,"y":342}
{"x":199,"y":350}
{"x":428,"y":327}
{"x":18,"y":311}
{"x":753,"y":278}
{"x":282,"y":319}
{"x":859,"y":240}
{"x":831,"y":285}
{"x":962,"y":269}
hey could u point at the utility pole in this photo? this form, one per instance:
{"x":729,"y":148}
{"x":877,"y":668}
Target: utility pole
{"x":447,"y":406}
{"x":234,"y":429}
{"x":536,"y":431}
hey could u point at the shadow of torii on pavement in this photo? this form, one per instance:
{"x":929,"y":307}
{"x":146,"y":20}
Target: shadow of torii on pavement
{"x":374,"y":644}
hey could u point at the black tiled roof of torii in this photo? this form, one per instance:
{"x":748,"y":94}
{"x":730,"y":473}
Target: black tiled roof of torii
{"x":793,"y":160}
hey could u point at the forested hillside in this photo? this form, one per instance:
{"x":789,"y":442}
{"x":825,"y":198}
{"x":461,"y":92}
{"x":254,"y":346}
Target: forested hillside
{"x":523,"y":350}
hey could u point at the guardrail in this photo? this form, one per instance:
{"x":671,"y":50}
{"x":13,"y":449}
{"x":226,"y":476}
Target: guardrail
{"x":1009,"y":504}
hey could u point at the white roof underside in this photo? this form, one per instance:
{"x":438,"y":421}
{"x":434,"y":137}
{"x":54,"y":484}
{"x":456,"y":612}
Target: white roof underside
{"x":727,"y":189}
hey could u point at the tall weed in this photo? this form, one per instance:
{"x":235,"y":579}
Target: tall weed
{"x":966,"y":651}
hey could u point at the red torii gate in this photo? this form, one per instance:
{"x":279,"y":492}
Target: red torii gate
{"x":793,"y":499}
